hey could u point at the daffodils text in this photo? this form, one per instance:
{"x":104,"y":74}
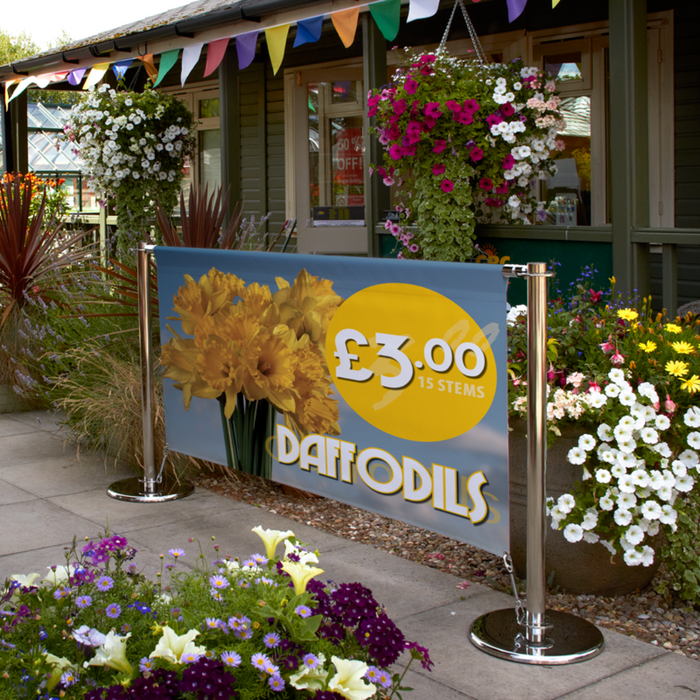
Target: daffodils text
{"x":334,"y":458}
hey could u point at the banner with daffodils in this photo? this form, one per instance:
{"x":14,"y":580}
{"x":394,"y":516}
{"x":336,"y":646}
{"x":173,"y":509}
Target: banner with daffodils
{"x":373,"y":382}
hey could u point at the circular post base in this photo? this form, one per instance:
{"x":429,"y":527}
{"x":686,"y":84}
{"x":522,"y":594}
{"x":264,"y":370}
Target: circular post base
{"x":569,"y":639}
{"x":134,"y":490}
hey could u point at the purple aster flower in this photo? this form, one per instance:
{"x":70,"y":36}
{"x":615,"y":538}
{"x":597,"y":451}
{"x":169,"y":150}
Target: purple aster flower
{"x":104,"y":583}
{"x":146,"y":665}
{"x":68,"y":678}
{"x":231,"y":658}
{"x":238,"y":622}
{"x":83,"y":601}
{"x":303,"y":610}
{"x":177,"y":552}
{"x":276,"y":682}
{"x":271,"y":640}
{"x":259,"y":559}
{"x":312,"y":661}
{"x":113,"y":610}
{"x":259,"y":661}
{"x":212,"y":623}
{"x":61,"y":593}
{"x":190,"y":658}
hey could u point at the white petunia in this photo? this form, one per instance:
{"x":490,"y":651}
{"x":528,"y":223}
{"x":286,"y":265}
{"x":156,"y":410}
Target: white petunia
{"x":663,"y":449}
{"x":590,"y":537}
{"x":679,"y":469}
{"x":653,"y":528}
{"x":651,"y":510}
{"x":689,"y":458}
{"x":566,"y":502}
{"x":576,"y":455}
{"x":587,"y":442}
{"x":692,"y":417}
{"x":606,"y":503}
{"x":557,"y":515}
{"x":665,"y":493}
{"x":617,"y":376}
{"x":626,"y":483}
{"x":626,"y":501}
{"x":605,"y":432}
{"x":627,"y":398}
{"x":685,"y":483}
{"x":668,"y":515}
{"x":647,"y":389}
{"x":629,"y":445}
{"x":602,"y":476}
{"x":608,"y":545}
{"x":640,"y":478}
{"x":693,"y":440}
{"x":597,"y":399}
{"x":627,"y":460}
{"x":650,"y":436}
{"x":618,"y":470}
{"x":633,"y":557}
{"x":623,"y":517}
{"x":662,"y":422}
{"x":590,"y":519}
{"x":612,"y":390}
{"x":635,"y":535}
{"x":573,"y":532}
{"x":647,"y":556}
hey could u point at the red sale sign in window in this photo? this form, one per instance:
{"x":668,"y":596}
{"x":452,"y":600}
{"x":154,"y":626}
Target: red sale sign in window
{"x":349,"y":164}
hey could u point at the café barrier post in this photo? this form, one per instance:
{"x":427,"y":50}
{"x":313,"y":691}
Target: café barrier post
{"x":152,"y":487}
{"x":532,"y":634}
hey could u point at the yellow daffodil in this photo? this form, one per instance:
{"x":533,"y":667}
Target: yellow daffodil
{"x":682,"y":347}
{"x":271,"y":538}
{"x":112,"y":653}
{"x":172,"y":646}
{"x":691,"y":385}
{"x":300,"y":574}
{"x":627,"y":314}
{"x":677,"y":368}
{"x":648,"y":346}
{"x":349,"y":681}
{"x":673,"y":328}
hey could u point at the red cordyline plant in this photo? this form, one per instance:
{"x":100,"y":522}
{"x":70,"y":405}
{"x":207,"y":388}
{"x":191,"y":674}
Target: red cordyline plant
{"x":31,"y":252}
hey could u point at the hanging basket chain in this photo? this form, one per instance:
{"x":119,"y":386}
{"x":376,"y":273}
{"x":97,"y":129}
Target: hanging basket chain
{"x":480,"y":55}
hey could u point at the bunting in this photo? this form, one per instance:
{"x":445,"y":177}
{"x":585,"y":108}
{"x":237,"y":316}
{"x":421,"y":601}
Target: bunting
{"x":387,"y":15}
{"x":276,"y":38}
{"x":147,"y":60}
{"x":8,"y":85}
{"x":308,"y":31}
{"x":96,"y":74}
{"x":554,"y":3}
{"x":121,"y":67}
{"x":345,"y":23}
{"x":422,"y":9}
{"x":75,"y":76}
{"x":515,"y":9}
{"x":215,"y":54}
{"x":190,"y":56}
{"x":245,"y":48}
{"x":167,"y":61}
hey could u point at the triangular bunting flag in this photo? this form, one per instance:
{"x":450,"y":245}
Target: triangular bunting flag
{"x":147,"y":60}
{"x":96,"y":74}
{"x":554,"y":3}
{"x":245,"y":48}
{"x":422,"y":9}
{"x":215,"y":53}
{"x":167,"y":61}
{"x":515,"y":9}
{"x":309,"y":30}
{"x":8,"y":85}
{"x":387,"y":15}
{"x":276,"y":38}
{"x":23,"y":85}
{"x":345,"y":23}
{"x":190,"y":56}
{"x":121,"y":67}
{"x":75,"y":76}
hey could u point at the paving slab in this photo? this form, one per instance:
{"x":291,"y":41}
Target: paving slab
{"x":43,"y":445}
{"x":669,"y":676}
{"x":460,"y":665}
{"x":13,"y":494}
{"x":10,"y":426}
{"x":49,"y":421}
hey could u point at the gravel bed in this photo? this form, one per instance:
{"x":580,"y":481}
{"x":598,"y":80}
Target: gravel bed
{"x":643,"y":615}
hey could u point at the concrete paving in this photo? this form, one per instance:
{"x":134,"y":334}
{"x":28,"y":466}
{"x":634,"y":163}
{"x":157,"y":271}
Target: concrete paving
{"x":48,"y":495}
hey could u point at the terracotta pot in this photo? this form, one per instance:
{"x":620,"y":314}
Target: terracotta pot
{"x":579,"y":567}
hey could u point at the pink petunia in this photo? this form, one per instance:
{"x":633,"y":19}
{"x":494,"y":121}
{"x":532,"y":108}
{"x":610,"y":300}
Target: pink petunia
{"x":472,"y":106}
{"x":413,"y":248}
{"x":396,"y":152}
{"x":399,"y":106}
{"x":465,"y":118}
{"x":432,"y":110}
{"x":508,"y":162}
{"x":453,"y":106}
{"x":507,"y":110}
{"x":410,"y":86}
{"x":502,"y":188}
{"x":486,"y":183}
{"x":493,"y":119}
{"x":440,"y":145}
{"x":447,"y":185}
{"x":476,"y":154}
{"x":438,"y":169}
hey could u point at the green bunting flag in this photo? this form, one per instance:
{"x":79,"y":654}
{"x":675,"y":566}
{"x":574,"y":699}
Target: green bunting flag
{"x":387,"y":14}
{"x":167,"y":60}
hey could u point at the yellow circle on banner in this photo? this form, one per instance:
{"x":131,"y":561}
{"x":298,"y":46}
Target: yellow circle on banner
{"x":411,"y":362}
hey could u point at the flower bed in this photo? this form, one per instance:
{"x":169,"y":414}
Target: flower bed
{"x":95,"y":628}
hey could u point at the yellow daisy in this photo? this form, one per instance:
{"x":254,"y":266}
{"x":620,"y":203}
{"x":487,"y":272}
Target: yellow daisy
{"x":673,"y":328}
{"x":627,"y":314}
{"x":649,"y":346}
{"x":677,"y":368}
{"x":682,"y":347}
{"x":692,"y":385}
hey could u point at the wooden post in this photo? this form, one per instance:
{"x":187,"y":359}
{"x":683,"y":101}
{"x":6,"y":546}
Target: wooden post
{"x":230,"y":121}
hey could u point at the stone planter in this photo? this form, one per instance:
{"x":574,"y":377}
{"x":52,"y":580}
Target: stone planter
{"x":579,"y":567}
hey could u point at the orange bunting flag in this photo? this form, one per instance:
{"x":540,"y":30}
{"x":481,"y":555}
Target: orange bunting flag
{"x":147,"y":60}
{"x":345,"y":23}
{"x":276,"y":38}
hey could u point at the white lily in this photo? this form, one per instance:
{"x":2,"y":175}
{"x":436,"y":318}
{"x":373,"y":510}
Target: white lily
{"x":349,"y":681}
{"x":172,"y":646}
{"x":301,"y":575}
{"x":112,"y":653}
{"x":271,"y":538}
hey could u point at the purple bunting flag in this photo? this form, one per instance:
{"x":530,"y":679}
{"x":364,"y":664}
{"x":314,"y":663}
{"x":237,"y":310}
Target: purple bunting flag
{"x":245,"y":47}
{"x":515,"y":9}
{"x":75,"y":77}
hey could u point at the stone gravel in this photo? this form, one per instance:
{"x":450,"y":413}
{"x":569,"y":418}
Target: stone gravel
{"x":644,"y":615}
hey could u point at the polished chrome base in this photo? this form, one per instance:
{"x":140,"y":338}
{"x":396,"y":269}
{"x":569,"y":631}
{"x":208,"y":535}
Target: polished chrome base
{"x":569,"y":639}
{"x":134,"y":490}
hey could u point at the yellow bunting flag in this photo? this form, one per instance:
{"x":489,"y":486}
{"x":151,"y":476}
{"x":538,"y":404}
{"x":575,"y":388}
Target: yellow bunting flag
{"x":8,"y":85}
{"x":147,"y":60}
{"x":554,"y":3}
{"x":276,"y":43}
{"x":96,"y":74}
{"x":345,"y":23}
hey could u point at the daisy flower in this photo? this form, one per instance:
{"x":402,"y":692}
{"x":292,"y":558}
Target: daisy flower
{"x":231,"y":658}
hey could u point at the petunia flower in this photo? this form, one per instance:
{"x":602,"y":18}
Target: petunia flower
{"x":447,"y":186}
{"x":172,"y":646}
{"x":300,"y":574}
{"x":271,"y":538}
{"x":112,"y":653}
{"x":349,"y":681}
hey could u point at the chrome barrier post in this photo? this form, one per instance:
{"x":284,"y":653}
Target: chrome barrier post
{"x":152,"y":487}
{"x":532,"y":634}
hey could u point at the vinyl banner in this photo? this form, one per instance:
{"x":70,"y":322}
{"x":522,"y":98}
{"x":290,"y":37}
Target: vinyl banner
{"x":388,"y":376}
